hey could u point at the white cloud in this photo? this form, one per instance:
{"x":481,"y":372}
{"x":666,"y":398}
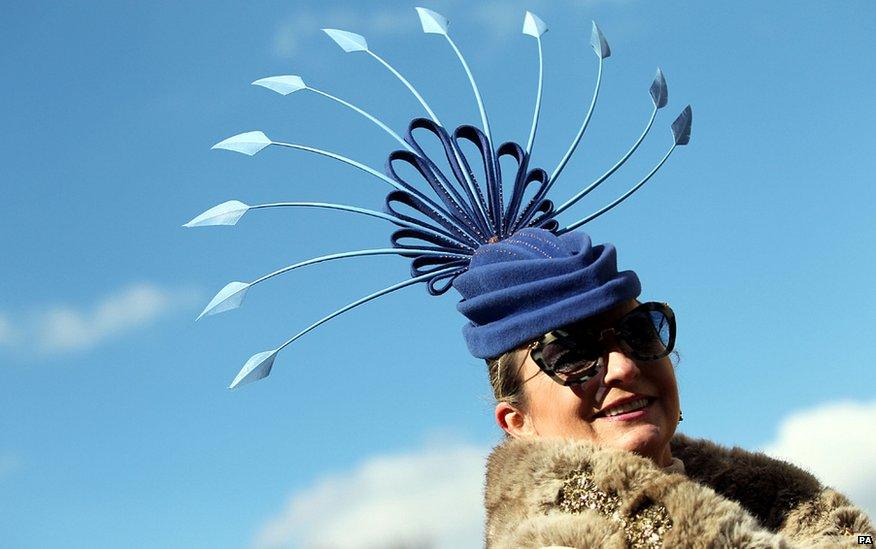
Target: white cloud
{"x":835,"y":442}
{"x":430,"y":498}
{"x":63,"y":328}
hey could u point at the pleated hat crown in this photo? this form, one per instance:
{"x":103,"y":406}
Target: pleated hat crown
{"x":533,"y":282}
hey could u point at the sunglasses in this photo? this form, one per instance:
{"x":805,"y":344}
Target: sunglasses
{"x":573,"y":355}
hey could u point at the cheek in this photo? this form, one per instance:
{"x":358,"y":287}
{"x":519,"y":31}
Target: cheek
{"x":558,"y":410}
{"x":668,"y":383}
{"x":665,"y":381}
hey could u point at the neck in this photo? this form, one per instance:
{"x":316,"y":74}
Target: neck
{"x":664,"y":459}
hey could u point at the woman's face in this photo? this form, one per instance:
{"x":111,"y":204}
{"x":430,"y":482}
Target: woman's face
{"x":577,"y":411}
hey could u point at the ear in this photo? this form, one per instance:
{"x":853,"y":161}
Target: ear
{"x":513,"y":421}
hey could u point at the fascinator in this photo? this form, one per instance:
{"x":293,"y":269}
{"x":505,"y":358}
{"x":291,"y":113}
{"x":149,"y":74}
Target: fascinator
{"x":520,"y":272}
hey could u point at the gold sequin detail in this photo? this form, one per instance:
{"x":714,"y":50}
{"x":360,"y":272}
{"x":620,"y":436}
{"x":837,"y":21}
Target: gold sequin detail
{"x":645,"y":528}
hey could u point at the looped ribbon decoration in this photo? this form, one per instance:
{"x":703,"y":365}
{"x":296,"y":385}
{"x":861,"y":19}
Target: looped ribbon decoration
{"x":463,"y":218}
{"x":522,"y":181}
{"x":417,"y":269}
{"x":491,"y":170}
{"x":473,"y":203}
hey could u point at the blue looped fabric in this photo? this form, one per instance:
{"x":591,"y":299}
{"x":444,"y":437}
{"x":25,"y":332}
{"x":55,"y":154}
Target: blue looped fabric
{"x":520,"y":288}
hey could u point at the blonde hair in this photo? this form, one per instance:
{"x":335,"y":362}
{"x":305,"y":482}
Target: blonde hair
{"x":506,"y":379}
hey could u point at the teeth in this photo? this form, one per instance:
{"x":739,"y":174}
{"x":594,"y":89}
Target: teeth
{"x":627,"y":407}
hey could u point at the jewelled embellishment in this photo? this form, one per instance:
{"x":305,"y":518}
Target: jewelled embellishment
{"x":646,"y":527}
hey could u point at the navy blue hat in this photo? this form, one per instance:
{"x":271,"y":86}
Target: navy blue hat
{"x":481,"y":220}
{"x":533,"y":282}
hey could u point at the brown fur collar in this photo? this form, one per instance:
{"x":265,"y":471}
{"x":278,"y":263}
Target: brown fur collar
{"x":729,"y":497}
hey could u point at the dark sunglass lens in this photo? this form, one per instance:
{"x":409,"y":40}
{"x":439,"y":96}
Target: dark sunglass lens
{"x":647,"y":334}
{"x":567,"y":361}
{"x":661,"y":326}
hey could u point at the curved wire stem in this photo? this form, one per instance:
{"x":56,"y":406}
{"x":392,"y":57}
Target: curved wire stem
{"x":410,"y":87}
{"x":556,"y":173}
{"x":357,"y":253}
{"x":494,"y":218}
{"x":375,"y":173}
{"x":594,"y":215}
{"x":537,"y":99}
{"x":344,"y":159}
{"x":372,"y":213}
{"x":345,"y":308}
{"x":613,"y":169}
{"x":367,"y":115}
{"x":474,"y":88}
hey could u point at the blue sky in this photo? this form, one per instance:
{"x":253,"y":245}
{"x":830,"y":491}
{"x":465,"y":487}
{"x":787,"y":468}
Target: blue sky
{"x":117,"y":427}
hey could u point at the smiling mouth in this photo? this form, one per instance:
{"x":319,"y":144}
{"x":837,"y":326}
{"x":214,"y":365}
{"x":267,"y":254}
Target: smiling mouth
{"x":626,"y":408}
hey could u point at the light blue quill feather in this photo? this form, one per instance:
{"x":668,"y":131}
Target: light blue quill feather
{"x":259,"y":365}
{"x":600,"y":46}
{"x":248,"y":143}
{"x":681,"y":136}
{"x":287,"y":84}
{"x":350,"y":42}
{"x":535,"y":27}
{"x":659,"y":96}
{"x":232,"y":295}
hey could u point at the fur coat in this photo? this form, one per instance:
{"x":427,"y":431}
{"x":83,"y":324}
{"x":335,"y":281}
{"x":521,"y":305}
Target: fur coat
{"x":543,"y":493}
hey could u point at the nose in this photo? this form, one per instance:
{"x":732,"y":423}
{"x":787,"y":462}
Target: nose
{"x":620,"y":370}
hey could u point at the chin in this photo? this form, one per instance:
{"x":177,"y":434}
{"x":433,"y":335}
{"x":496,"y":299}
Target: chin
{"x":646,"y":440}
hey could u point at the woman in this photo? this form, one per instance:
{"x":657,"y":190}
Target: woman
{"x":592,"y":458}
{"x":591,"y":407}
